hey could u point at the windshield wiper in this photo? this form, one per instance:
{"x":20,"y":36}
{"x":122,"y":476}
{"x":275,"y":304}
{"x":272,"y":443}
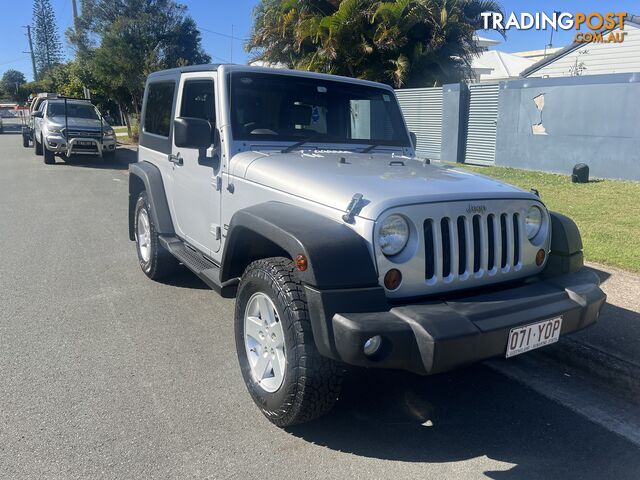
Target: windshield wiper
{"x":293,"y":146}
{"x":370,"y":147}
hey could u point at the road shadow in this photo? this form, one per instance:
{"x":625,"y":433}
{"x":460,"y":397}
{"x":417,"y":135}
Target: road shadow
{"x":602,"y":275}
{"x":185,"y":278}
{"x":466,"y":415}
{"x":123,"y":158}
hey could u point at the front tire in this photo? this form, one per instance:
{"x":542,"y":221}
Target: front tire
{"x":37,"y":146}
{"x":156,"y":262}
{"x":287,"y":378}
{"x":49,"y":157}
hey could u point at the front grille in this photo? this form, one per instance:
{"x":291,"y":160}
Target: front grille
{"x":74,"y":133}
{"x":471,"y":245}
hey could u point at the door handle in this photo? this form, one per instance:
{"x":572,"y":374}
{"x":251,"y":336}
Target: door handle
{"x":176,"y":159}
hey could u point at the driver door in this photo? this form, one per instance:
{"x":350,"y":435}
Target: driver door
{"x":195,"y":195}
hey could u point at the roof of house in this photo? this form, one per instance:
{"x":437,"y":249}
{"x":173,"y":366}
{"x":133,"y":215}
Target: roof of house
{"x":635,"y":19}
{"x":501,"y":64}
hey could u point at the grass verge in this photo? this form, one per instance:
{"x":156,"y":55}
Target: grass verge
{"x":606,"y":211}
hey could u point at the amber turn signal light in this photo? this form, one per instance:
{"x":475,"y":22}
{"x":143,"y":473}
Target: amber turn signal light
{"x":540,"y":257}
{"x":392,"y":279}
{"x":301,"y":263}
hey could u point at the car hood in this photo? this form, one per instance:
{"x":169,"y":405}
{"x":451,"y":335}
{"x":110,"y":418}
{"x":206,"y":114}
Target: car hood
{"x":385,"y":180}
{"x":73,"y":122}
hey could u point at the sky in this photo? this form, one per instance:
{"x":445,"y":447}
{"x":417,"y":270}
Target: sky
{"x":216,"y":18}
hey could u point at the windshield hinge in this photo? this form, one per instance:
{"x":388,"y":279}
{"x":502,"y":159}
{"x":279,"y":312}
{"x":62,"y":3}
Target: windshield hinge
{"x":217,"y":182}
{"x":355,"y":205}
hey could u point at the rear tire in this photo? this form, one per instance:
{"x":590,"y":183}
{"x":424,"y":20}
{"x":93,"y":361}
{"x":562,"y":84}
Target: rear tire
{"x":156,"y":262}
{"x":49,"y":157}
{"x":25,"y":141}
{"x":37,"y":146}
{"x":287,"y":378}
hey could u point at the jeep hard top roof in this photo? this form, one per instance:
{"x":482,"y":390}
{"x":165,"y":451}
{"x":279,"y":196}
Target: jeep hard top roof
{"x":230,"y":67}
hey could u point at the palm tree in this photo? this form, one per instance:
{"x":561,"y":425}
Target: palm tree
{"x":405,"y":43}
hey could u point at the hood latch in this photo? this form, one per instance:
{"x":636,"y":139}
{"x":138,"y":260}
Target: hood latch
{"x":355,"y":205}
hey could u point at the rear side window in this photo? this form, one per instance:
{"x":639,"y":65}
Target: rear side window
{"x":198,"y":100}
{"x":157,"y":116}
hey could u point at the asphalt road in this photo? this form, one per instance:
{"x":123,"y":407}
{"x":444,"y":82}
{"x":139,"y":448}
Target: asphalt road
{"x":106,"y":374}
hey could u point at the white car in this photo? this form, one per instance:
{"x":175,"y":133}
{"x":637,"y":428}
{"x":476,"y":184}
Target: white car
{"x":66,"y":127}
{"x":301,"y":195}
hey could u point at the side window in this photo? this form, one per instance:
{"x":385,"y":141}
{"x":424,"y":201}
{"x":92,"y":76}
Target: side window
{"x":157,"y":116}
{"x":198,"y":100}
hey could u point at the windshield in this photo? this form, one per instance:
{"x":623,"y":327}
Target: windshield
{"x":290,"y":108}
{"x":74,"y":110}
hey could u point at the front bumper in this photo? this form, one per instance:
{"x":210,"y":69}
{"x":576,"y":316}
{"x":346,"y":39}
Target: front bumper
{"x":60,"y":145}
{"x":435,"y":336}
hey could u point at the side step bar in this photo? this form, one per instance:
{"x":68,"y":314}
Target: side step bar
{"x":204,"y":268}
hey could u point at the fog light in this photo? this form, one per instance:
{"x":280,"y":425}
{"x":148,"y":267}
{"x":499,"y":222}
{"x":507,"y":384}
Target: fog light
{"x":392,"y":279}
{"x":372,"y":346}
{"x":540,"y":257}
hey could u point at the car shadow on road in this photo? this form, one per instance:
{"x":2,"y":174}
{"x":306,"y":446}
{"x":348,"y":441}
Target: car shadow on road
{"x":123,"y":158}
{"x":184,"y":278}
{"x":467,"y":415}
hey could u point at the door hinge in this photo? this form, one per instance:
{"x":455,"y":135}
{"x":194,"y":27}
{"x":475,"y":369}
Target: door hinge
{"x":216,"y":231}
{"x":217,"y":183}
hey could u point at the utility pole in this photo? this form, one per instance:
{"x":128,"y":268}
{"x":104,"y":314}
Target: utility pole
{"x":33,"y":58}
{"x":74,"y":8}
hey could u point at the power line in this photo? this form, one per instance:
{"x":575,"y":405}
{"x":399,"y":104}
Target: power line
{"x":226,"y":35}
{"x":14,"y":60}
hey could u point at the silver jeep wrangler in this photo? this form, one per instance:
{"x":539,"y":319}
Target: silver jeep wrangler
{"x":301,"y":195}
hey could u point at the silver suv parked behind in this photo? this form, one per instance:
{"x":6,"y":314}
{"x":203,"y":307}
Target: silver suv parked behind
{"x":70,"y":126}
{"x":301,"y":195}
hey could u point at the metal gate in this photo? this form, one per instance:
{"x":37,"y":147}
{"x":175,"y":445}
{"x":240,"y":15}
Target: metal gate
{"x":422,"y":110}
{"x":481,"y":124}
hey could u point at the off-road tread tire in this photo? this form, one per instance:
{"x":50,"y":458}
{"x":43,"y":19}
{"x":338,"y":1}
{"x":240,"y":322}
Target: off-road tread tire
{"x":37,"y":146}
{"x":312,"y":383}
{"x":49,"y":157}
{"x":161,"y":263}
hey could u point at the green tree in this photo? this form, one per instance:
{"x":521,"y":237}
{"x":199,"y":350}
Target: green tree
{"x":46,"y":43}
{"x":405,"y":43}
{"x":119,"y":42}
{"x":10,"y":85}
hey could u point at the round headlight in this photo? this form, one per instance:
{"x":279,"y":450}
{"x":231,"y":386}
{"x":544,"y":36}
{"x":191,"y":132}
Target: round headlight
{"x":533,"y":221}
{"x":393,"y":235}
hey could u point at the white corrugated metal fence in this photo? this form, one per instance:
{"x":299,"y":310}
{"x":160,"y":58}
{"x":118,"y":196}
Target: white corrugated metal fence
{"x":422,"y":110}
{"x":481,"y":123}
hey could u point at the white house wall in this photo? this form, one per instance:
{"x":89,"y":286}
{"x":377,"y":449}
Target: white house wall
{"x":602,"y":57}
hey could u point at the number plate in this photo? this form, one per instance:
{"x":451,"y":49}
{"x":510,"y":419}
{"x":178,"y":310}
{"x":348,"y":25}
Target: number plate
{"x":84,"y":143}
{"x":535,"y":335}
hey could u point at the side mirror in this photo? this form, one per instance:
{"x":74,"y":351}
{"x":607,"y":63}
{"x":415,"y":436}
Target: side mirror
{"x":192,"y":132}
{"x":414,"y":139}
{"x":38,"y":114}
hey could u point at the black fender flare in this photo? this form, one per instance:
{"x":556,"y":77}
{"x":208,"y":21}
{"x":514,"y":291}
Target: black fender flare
{"x":565,"y":254}
{"x":337,"y":256}
{"x":146,"y":176}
